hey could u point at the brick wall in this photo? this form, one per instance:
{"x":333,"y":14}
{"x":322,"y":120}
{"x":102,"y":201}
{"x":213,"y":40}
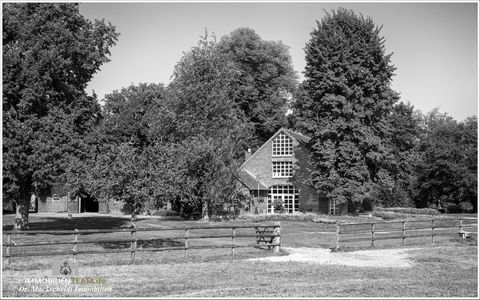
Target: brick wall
{"x":47,"y":204}
{"x":260,"y":164}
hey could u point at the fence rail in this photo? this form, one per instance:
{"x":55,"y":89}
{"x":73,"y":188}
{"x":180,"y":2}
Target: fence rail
{"x":263,"y":232}
{"x":370,"y":231}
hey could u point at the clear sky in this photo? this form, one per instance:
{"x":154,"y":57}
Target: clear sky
{"x":434,"y":45}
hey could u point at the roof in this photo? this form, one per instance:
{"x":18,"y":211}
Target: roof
{"x":60,"y":189}
{"x":250,"y":181}
{"x":298,"y":136}
{"x":247,"y":178}
{"x":293,"y":134}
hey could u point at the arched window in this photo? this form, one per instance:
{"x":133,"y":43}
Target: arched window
{"x":282,"y":145}
{"x":286,"y":195}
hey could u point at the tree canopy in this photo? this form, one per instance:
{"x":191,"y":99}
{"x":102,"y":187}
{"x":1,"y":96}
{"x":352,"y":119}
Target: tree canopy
{"x":265,"y":83}
{"x":178,"y":143}
{"x":447,"y":171}
{"x":210,"y":123}
{"x":50,"y":53}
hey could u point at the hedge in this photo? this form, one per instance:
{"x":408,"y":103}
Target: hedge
{"x":409,"y":210}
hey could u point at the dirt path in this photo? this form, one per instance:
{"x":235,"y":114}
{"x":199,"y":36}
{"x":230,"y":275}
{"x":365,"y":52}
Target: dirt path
{"x":383,"y":258}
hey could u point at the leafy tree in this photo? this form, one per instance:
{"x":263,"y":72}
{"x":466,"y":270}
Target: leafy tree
{"x":128,"y":113}
{"x":210,"y":130}
{"x":123,"y":162}
{"x":344,"y":106}
{"x":265,"y":83}
{"x":135,"y":177}
{"x":404,"y":140}
{"x":448,"y":169}
{"x":50,"y":52}
{"x":180,"y":143}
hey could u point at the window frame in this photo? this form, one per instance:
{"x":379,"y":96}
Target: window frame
{"x":286,"y":169}
{"x":282,"y":145}
{"x":332,"y":206}
{"x":288,"y":194}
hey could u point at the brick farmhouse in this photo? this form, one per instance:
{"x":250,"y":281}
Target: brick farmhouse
{"x":275,"y":174}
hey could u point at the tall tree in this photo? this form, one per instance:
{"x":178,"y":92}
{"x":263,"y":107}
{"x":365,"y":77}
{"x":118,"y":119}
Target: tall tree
{"x":210,"y":127}
{"x":50,"y":53}
{"x":265,"y":83}
{"x":345,"y":104}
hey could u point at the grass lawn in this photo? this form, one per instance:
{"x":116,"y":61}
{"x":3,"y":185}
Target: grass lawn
{"x":448,"y":269}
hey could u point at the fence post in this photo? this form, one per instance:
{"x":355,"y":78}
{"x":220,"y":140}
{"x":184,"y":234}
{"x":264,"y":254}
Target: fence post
{"x":75,"y":242}
{"x":403,"y":232}
{"x":233,"y":242}
{"x":337,"y":235}
{"x":9,"y":241}
{"x":373,"y":235}
{"x":276,"y":240}
{"x":133,"y":236}
{"x":460,"y":229}
{"x":433,"y":231}
{"x":187,"y":233}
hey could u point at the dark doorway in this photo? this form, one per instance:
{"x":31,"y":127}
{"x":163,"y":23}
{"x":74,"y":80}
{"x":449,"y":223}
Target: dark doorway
{"x":89,"y":204}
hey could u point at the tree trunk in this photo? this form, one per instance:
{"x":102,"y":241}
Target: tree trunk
{"x":205,"y":211}
{"x":21,"y":214}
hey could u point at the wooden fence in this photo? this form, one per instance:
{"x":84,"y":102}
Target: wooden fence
{"x":387,"y":230}
{"x":268,"y":234}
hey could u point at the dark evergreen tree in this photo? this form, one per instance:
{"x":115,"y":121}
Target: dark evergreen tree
{"x":345,"y":106}
{"x":50,"y":53}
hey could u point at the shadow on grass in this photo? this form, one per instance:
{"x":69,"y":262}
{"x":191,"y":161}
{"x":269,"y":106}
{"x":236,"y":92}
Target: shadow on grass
{"x":156,"y":243}
{"x":63,"y":223}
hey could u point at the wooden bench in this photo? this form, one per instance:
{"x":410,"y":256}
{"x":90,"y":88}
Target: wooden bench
{"x":465,"y":234}
{"x":265,"y":235}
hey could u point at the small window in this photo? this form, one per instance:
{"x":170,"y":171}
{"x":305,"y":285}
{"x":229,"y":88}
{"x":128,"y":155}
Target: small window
{"x":55,"y":197}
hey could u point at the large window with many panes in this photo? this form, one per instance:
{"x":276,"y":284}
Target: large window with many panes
{"x":282,"y":145}
{"x":282,"y":169}
{"x":284,"y":195}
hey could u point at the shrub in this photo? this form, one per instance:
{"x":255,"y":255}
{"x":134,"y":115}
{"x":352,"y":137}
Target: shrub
{"x":164,"y":213}
{"x":306,"y":217}
{"x":466,"y":207}
{"x":409,"y":210}
{"x":388,"y":215}
{"x":385,"y":195}
{"x":367,"y":204}
{"x":278,"y":206}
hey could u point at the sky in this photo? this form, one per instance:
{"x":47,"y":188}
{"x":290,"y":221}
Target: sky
{"x":434,"y":45}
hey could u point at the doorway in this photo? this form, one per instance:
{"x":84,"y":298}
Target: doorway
{"x":88,"y":204}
